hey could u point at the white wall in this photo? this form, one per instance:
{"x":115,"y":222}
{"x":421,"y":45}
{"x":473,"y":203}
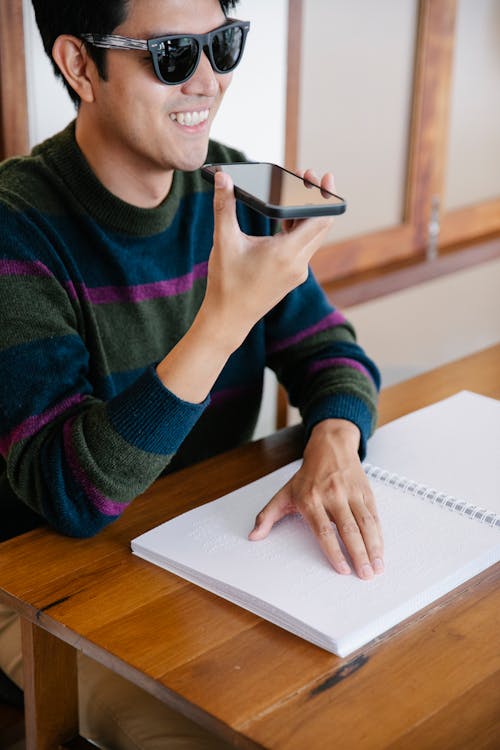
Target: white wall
{"x":432,"y":323}
{"x":355,"y":105}
{"x":474,"y":137}
{"x":49,"y":106}
{"x":252,"y":116}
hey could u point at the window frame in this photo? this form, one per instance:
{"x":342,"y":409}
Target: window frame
{"x":411,"y":239}
{"x":14,"y":136}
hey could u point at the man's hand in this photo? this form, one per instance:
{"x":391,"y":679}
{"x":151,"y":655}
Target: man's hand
{"x":248,"y":276}
{"x":327,"y":183}
{"x":332,"y":486}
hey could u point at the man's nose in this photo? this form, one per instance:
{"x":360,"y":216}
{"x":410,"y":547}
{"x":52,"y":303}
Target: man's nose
{"x":204,"y":79}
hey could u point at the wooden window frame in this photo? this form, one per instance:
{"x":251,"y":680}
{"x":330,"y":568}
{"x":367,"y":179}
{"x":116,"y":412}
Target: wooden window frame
{"x":428,"y":149}
{"x":14,"y":138}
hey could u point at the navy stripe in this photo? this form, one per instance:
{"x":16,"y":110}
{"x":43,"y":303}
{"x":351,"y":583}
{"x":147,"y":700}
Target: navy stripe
{"x":35,"y":368}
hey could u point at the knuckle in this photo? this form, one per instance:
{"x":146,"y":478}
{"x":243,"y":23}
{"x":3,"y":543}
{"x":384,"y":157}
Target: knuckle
{"x":294,"y":277}
{"x":325,"y":530}
{"x":260,"y":517}
{"x":219,"y":204}
{"x":366,"y":519}
{"x":349,"y":528}
{"x":333,"y":486}
{"x":339,"y":561}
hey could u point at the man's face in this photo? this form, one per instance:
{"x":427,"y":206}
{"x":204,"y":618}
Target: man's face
{"x":137,"y":113}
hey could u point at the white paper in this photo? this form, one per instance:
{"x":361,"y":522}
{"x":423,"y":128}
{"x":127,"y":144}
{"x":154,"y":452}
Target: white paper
{"x":286,"y":579}
{"x":453,"y":445}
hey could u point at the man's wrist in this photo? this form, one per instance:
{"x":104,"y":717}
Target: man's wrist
{"x":222,"y":330}
{"x":341,"y":429}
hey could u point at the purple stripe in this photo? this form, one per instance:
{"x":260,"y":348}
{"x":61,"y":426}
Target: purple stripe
{"x":103,"y":295}
{"x":23,"y":268}
{"x":32,"y":425}
{"x":104,"y":505}
{"x":72,"y":293}
{"x":335,"y":318}
{"x":220,"y":397}
{"x":323,"y":364}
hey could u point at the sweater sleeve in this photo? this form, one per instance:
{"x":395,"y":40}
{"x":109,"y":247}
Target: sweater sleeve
{"x":313,"y":350}
{"x":74,"y":459}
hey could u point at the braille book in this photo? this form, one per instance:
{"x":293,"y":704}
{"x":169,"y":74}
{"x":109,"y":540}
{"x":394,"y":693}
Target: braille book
{"x":435,"y":476}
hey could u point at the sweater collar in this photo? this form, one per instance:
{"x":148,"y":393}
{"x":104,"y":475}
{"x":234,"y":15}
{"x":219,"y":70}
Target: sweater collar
{"x":66,"y":157}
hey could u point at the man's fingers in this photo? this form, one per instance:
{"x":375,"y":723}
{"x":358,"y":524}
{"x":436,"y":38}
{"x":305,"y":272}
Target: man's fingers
{"x":310,"y":178}
{"x":328,"y":182}
{"x":356,"y":524}
{"x":359,"y":532}
{"x":309,"y":231}
{"x":320,"y":523}
{"x":370,"y":504}
{"x":224,"y":205}
{"x":278,"y":507}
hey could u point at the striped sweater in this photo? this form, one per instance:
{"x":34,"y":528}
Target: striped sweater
{"x":94,"y":292}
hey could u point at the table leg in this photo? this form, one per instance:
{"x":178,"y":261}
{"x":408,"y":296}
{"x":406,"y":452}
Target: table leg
{"x":50,"y":689}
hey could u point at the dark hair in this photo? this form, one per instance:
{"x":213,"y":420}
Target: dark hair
{"x":77,"y":17}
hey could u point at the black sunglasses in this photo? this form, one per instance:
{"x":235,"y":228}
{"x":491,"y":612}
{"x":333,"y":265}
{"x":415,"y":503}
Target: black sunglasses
{"x":176,"y":56}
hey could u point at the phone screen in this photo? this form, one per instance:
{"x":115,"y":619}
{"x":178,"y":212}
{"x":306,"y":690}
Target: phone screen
{"x":277,"y":192}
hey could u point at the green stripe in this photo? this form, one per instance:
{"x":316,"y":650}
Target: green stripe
{"x":340,"y":380}
{"x":119,"y":470}
{"x":285,"y":358}
{"x":135,"y":334}
{"x":18,"y":297}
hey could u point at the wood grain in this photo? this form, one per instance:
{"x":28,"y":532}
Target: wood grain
{"x":430,"y":116}
{"x":13,"y":98}
{"x":468,"y":223}
{"x":294,"y":58}
{"x":387,"y":280}
{"x":50,"y":689}
{"x":399,"y":684}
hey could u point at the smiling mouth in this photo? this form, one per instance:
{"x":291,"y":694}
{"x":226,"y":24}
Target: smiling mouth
{"x":190,"y":118}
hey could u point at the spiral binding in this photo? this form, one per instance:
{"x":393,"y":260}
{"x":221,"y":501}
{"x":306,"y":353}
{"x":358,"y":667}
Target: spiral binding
{"x":476,"y":512}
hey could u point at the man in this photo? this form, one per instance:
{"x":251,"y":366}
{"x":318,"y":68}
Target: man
{"x":138,"y":314}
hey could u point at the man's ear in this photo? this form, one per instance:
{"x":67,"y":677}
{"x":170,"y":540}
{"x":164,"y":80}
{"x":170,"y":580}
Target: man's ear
{"x":72,"y":59}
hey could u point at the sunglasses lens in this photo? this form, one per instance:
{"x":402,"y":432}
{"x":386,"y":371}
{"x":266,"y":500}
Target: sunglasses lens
{"x":179,"y":59}
{"x":227,"y":45}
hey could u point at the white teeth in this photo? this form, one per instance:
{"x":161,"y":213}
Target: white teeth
{"x":190,"y":118}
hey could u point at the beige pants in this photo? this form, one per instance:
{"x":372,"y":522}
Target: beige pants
{"x":114,"y":713}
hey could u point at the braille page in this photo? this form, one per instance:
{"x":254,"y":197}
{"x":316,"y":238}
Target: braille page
{"x":453,"y":446}
{"x":286,"y":579}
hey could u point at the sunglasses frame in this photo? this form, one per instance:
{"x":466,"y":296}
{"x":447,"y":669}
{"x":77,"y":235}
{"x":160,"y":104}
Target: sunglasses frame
{"x":156,"y":46}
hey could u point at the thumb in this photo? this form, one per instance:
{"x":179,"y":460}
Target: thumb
{"x":224,"y":204}
{"x":278,"y":507}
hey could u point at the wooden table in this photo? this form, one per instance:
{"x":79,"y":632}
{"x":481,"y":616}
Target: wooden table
{"x":431,"y":682}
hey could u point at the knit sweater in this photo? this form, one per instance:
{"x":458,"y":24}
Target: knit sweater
{"x":94,"y":292}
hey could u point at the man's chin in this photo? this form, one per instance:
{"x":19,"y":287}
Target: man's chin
{"x":193,"y":160}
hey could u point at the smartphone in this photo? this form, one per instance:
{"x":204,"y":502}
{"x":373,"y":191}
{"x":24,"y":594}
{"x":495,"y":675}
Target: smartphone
{"x":277,"y":192}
